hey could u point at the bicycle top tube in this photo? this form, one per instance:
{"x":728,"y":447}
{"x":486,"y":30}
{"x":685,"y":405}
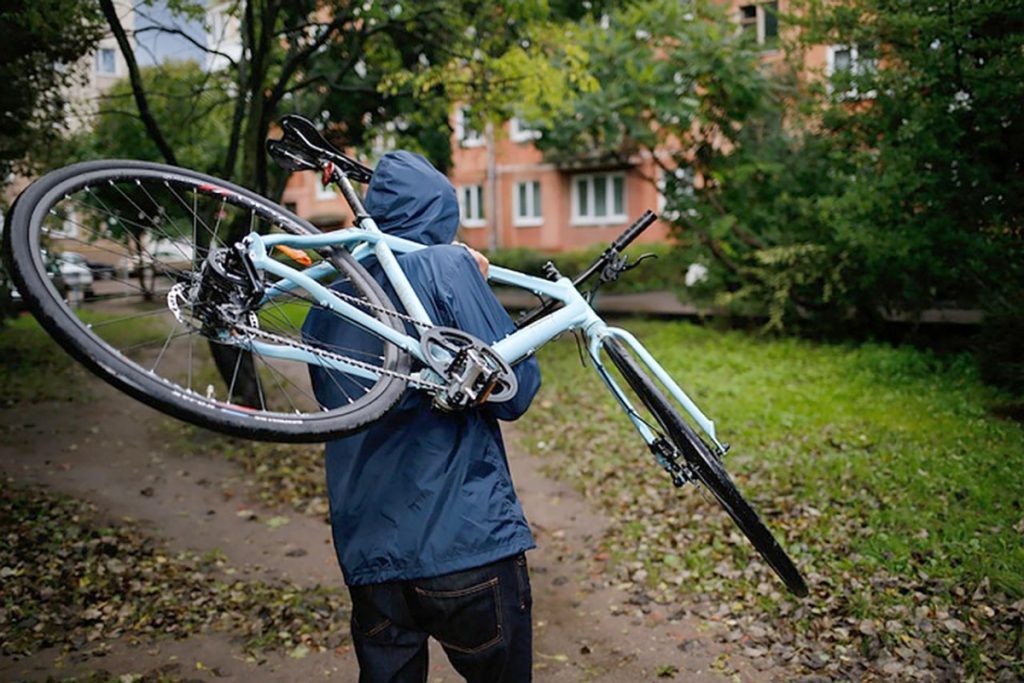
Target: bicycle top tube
{"x":355,"y":236}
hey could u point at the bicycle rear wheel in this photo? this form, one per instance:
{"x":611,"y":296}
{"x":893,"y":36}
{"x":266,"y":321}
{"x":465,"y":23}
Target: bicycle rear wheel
{"x":105,"y":253}
{"x":706,"y":466}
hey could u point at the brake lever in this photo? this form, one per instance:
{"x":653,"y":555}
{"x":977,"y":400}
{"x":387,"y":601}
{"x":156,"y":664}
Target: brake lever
{"x":618,"y":265}
{"x":640,"y":259}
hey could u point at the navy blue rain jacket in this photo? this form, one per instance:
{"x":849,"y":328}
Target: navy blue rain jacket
{"x":420,"y":492}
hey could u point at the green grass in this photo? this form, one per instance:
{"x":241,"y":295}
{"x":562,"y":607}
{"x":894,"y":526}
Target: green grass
{"x":34,"y":368}
{"x":879,"y":468}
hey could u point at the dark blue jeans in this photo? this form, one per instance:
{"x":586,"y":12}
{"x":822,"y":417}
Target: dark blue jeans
{"x":480,"y":616}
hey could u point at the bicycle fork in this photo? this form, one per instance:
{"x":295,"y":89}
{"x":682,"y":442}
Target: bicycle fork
{"x":665,"y":454}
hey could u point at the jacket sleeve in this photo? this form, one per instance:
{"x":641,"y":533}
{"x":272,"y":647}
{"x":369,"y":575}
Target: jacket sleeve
{"x":473,"y":308}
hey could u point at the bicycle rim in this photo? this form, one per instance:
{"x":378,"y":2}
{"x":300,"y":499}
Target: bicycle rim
{"x":105,"y":253}
{"x":706,"y":466}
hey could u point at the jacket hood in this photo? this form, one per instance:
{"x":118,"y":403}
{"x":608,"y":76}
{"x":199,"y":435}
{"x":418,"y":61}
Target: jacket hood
{"x":409,"y":198}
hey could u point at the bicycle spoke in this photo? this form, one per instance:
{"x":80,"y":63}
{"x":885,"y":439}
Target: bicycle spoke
{"x":164,"y":349}
{"x":152,"y":229}
{"x":194,"y":214}
{"x":234,"y":375}
{"x":279,"y":374}
{"x":133,"y":316}
{"x":141,"y":345}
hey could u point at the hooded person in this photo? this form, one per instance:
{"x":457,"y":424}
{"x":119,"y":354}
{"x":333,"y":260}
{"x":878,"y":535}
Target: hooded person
{"x":427,"y":527}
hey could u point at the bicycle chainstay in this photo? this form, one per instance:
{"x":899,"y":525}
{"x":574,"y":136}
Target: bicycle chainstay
{"x":253,"y":330}
{"x":177,"y":295}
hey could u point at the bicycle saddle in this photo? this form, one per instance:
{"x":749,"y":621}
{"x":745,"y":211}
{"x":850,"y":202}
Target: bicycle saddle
{"x":303,"y":148}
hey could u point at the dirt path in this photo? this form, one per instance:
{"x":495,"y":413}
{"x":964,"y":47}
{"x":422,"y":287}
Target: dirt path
{"x":111,"y":451}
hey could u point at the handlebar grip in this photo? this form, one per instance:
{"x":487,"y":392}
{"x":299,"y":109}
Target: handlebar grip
{"x":632,"y":232}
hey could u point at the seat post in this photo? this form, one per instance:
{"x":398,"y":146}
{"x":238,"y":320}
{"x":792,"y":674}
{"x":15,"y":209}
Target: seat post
{"x":352,"y":197}
{"x":399,"y":281}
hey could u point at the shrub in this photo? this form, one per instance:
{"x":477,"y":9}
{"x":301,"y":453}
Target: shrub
{"x":666,"y":272}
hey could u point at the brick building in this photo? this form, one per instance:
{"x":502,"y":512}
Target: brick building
{"x":511,"y":197}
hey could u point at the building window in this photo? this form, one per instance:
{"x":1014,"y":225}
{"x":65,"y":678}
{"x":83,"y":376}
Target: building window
{"x":471,"y":205}
{"x":844,"y":64}
{"x":761,"y":23}
{"x":599,"y":198}
{"x":324,"y":192}
{"x":64,"y":225}
{"x":466,"y":135}
{"x":106,"y":61}
{"x":520,"y":131}
{"x":526,"y":199}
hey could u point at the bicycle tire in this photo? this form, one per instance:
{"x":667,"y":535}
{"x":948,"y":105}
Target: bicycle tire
{"x":26,"y":254}
{"x":707,"y":467}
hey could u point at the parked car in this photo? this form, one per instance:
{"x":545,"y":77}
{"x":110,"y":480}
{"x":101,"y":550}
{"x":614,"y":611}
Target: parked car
{"x":161,"y":256}
{"x":71,"y":274}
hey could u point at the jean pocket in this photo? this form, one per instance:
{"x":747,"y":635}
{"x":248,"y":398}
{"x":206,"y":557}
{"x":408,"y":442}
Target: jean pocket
{"x":525,"y":595}
{"x":367,"y":620}
{"x":466,"y":620}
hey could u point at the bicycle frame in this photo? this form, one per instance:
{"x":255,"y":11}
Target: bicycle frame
{"x":575,"y":314}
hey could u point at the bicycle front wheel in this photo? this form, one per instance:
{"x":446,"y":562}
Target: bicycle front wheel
{"x":108,"y":256}
{"x":706,"y":466}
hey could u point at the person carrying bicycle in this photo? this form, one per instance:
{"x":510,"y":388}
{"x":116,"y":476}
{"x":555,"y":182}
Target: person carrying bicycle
{"x":427,"y":527}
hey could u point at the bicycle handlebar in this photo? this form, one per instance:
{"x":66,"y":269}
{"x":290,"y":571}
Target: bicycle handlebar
{"x":632,"y":232}
{"x":621,"y":242}
{"x":612,"y":252}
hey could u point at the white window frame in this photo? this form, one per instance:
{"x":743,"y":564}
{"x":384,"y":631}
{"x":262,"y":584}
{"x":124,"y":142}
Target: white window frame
{"x":590,"y":218}
{"x":471,"y":212}
{"x":759,"y":21}
{"x":324,"y":192}
{"x":520,"y":131}
{"x":99,"y":61}
{"x":466,"y":136}
{"x":858,"y":67}
{"x":531,"y":215}
{"x":68,"y":226}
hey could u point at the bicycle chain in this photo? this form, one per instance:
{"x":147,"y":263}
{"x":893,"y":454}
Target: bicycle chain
{"x":285,"y":341}
{"x":254,"y":331}
{"x":380,"y":309}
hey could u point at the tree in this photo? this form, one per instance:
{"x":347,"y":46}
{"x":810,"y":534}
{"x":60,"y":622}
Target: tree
{"x":674,"y":78}
{"x":355,"y":67}
{"x":39,"y":60}
{"x":927,"y":128}
{"x":678,"y":84}
{"x":186,"y":101}
{"x":894,"y":185}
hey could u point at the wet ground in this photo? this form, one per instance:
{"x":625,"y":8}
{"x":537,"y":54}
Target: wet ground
{"x":112,"y":452}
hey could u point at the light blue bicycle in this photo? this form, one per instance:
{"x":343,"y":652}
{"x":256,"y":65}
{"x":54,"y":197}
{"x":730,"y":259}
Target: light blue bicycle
{"x":201,"y":289}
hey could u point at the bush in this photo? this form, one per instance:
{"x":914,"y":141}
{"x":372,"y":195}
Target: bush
{"x":666,"y":272}
{"x":1000,"y":351}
